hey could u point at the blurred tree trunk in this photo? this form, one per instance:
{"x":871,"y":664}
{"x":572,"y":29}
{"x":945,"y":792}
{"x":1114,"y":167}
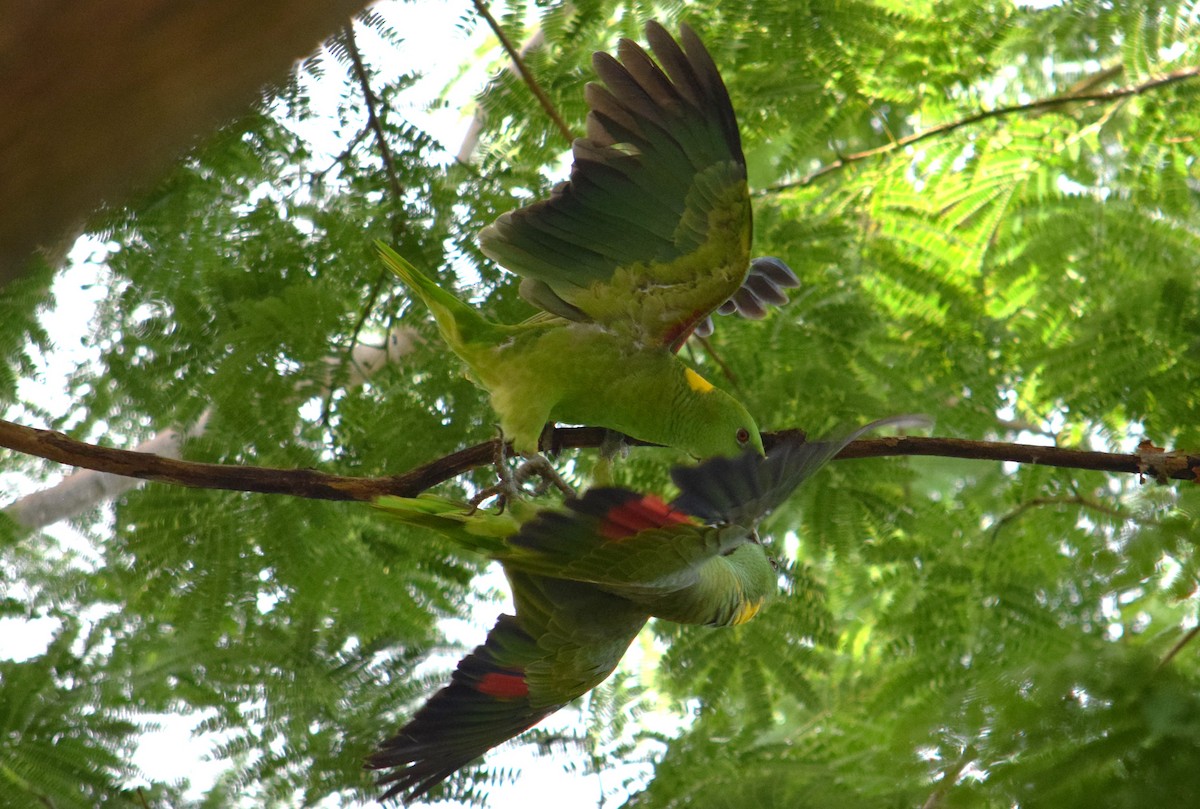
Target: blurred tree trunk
{"x":98,"y":97}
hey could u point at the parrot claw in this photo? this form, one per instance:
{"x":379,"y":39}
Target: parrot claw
{"x":499,"y":491}
{"x":613,"y":445}
{"x":537,"y":465}
{"x":505,"y":489}
{"x":510,"y":486}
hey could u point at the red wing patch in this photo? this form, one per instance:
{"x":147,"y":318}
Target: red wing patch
{"x":503,"y":685}
{"x":643,"y":514}
{"x":677,"y":335}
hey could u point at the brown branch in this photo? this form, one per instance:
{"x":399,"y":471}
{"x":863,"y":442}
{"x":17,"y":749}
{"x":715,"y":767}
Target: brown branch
{"x":55,"y":446}
{"x":1182,"y":74}
{"x":530,"y":81}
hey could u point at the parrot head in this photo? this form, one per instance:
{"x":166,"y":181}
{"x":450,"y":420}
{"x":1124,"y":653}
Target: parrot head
{"x":757,"y":581}
{"x":717,"y":424}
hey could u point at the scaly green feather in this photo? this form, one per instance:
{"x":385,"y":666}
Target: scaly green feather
{"x":652,"y":231}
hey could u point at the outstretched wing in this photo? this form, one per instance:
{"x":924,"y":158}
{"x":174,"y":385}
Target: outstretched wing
{"x":743,"y":490}
{"x":641,"y":550}
{"x":565,"y":639}
{"x":486,"y":703}
{"x":652,"y":231}
{"x":626,"y":543}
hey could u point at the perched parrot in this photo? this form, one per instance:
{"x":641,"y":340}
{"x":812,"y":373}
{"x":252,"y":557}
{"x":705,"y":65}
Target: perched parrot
{"x":585,"y":579}
{"x":647,"y":238}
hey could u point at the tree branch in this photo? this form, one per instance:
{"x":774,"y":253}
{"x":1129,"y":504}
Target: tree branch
{"x":55,"y":446}
{"x":1183,"y":74}
{"x":475,"y":130}
{"x":93,"y":484}
{"x":1038,"y":502}
{"x":319,"y":176}
{"x":530,"y":81}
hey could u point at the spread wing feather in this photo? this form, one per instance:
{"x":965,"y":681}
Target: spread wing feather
{"x":622,"y":542}
{"x":563,"y":641}
{"x":743,"y":490}
{"x":652,"y":231}
{"x":482,"y":707}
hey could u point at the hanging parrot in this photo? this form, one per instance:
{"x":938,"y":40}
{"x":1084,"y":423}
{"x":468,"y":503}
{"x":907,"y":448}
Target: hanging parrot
{"x":585,"y":579}
{"x":647,"y":238}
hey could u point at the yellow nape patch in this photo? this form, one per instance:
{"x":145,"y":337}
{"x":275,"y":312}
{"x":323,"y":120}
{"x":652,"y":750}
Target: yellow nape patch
{"x":697,"y":382}
{"x":747,"y":610}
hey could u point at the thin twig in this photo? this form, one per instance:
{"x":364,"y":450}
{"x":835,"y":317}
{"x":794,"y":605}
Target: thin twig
{"x":1036,"y":502}
{"x":375,"y":124}
{"x":1183,"y":74}
{"x":1178,"y":647}
{"x":56,"y":446}
{"x":950,"y":778}
{"x":530,"y":81}
{"x":475,"y":130}
{"x":355,"y":333}
{"x":319,"y":176}
{"x":726,"y":371}
{"x":373,"y":119}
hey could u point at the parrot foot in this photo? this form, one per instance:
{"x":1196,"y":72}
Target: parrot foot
{"x":506,"y":489}
{"x":499,"y":491}
{"x":510,"y":486}
{"x":613,"y":445}
{"x":537,"y":466}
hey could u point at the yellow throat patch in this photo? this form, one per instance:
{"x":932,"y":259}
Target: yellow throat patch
{"x":697,"y":382}
{"x":746,"y":610}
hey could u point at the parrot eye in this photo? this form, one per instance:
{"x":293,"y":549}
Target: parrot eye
{"x":743,"y":436}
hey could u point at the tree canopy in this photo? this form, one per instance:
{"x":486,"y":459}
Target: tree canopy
{"x":994,"y":213}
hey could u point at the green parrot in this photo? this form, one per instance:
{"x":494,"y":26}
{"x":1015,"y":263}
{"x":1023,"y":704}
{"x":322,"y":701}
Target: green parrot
{"x":585,"y":579}
{"x":626,"y":259}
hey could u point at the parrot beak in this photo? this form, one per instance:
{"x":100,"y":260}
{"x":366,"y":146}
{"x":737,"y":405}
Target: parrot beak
{"x":757,"y":540}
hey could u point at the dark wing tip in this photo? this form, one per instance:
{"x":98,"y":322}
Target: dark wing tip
{"x":485,"y":704}
{"x":775,"y":270}
{"x":762,"y":288}
{"x":747,"y":303}
{"x":414,"y":778}
{"x":745,"y":489}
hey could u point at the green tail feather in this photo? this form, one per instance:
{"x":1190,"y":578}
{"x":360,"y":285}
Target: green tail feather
{"x":458,"y":322}
{"x":482,"y":532}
